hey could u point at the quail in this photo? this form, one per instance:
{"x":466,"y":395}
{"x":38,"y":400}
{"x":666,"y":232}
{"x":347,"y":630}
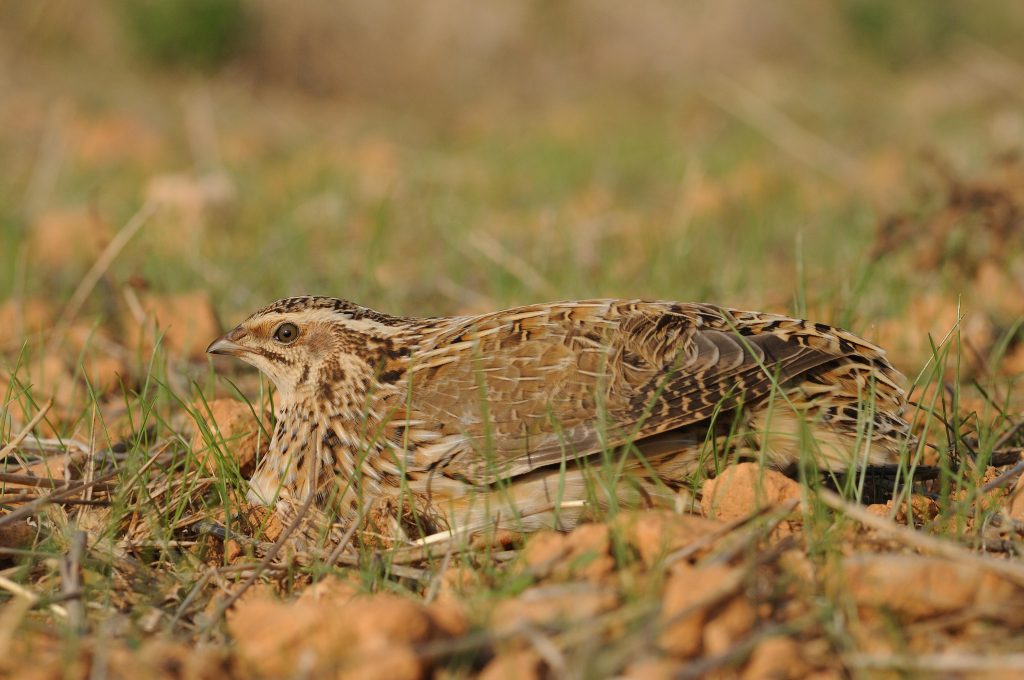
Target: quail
{"x":529,"y":417}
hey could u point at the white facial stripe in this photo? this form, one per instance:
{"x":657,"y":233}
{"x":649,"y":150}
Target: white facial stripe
{"x":364,"y":325}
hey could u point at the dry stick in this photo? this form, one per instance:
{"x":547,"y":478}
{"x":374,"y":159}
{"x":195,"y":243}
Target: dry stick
{"x":1002,"y":480}
{"x":753,"y":534}
{"x":19,"y":590}
{"x":1005,"y":478}
{"x":942,"y":663}
{"x":71,"y":581}
{"x":494,"y":251}
{"x":335,"y":555}
{"x":710,"y":539}
{"x":142,"y":470}
{"x":10,"y":618}
{"x":198,"y":587}
{"x":802,"y":144}
{"x":435,"y":582}
{"x":52,"y":444}
{"x":738,"y":651}
{"x":26,"y":497}
{"x":547,"y":650}
{"x":264,"y":563}
{"x":52,"y":150}
{"x":25,"y":431}
{"x":99,"y":268}
{"x":29,"y":480}
{"x":993,"y":65}
{"x":923,"y":542}
{"x":1005,"y":437}
{"x":90,"y":468}
{"x":56,"y":496}
{"x":1004,"y":456}
{"x":729,"y":586}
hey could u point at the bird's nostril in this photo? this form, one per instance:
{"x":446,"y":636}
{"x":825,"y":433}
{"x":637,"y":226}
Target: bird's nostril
{"x":237,"y":334}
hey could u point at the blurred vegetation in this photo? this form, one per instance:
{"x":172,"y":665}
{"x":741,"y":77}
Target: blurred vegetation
{"x":458,"y":49}
{"x":397,"y":152}
{"x":201,"y":33}
{"x":903,"y":33}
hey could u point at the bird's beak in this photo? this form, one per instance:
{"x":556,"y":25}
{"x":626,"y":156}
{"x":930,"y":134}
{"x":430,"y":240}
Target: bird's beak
{"x":228,"y":344}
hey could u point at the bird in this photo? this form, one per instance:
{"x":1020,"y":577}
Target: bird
{"x":540,"y":415}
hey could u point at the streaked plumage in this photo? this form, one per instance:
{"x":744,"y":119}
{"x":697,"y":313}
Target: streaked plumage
{"x":522,"y":418}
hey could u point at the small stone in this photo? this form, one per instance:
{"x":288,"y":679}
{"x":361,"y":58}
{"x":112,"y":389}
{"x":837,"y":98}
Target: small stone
{"x":562,"y":603}
{"x":651,"y":668}
{"x":235,"y":432}
{"x":582,"y":553}
{"x":519,"y":665}
{"x":729,"y":625}
{"x":185,"y":323}
{"x":776,"y":658}
{"x":687,"y":587}
{"x":655,"y":533}
{"x":740,"y":490}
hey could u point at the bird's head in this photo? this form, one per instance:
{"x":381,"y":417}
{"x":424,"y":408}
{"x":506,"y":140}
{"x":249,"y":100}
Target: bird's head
{"x":310,"y":346}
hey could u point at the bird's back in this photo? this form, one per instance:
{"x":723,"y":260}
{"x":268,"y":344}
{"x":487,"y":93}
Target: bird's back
{"x":495,"y":396}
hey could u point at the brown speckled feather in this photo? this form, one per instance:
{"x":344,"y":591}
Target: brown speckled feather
{"x":510,"y":392}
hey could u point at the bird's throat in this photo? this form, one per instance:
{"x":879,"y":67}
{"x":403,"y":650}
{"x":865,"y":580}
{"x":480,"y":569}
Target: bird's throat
{"x":308,"y":451}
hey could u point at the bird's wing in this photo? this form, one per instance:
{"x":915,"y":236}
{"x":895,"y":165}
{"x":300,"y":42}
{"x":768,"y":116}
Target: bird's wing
{"x":503,"y":394}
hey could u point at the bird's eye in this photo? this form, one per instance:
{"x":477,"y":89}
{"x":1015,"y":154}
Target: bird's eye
{"x":286,"y":333}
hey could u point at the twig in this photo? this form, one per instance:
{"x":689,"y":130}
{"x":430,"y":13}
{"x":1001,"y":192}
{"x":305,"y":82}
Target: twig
{"x":335,"y":555}
{"x":197,"y":587}
{"x":799,"y":142}
{"x":445,"y":647}
{"x":19,"y":590}
{"x":202,"y":583}
{"x":738,"y":651}
{"x":1007,"y":436}
{"x":264,"y":563}
{"x":435,"y":583}
{"x":494,"y":251}
{"x":707,"y":540}
{"x":52,"y":150}
{"x":1005,"y":456}
{"x":30,"y":480}
{"x":10,"y":619}
{"x":1002,"y":480}
{"x":55,"y":445}
{"x":923,"y":542}
{"x":25,"y":431}
{"x":547,"y":650}
{"x":99,"y":268}
{"x":142,"y":470}
{"x":56,"y":496}
{"x":754,"y":533}
{"x":21,"y":552}
{"x":943,"y":663}
{"x":993,"y":65}
{"x":71,"y":581}
{"x":26,"y":498}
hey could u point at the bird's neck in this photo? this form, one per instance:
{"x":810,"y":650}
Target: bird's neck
{"x":312,"y":448}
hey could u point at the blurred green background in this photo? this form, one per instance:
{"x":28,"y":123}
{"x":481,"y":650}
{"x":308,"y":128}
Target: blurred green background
{"x":457,"y":156}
